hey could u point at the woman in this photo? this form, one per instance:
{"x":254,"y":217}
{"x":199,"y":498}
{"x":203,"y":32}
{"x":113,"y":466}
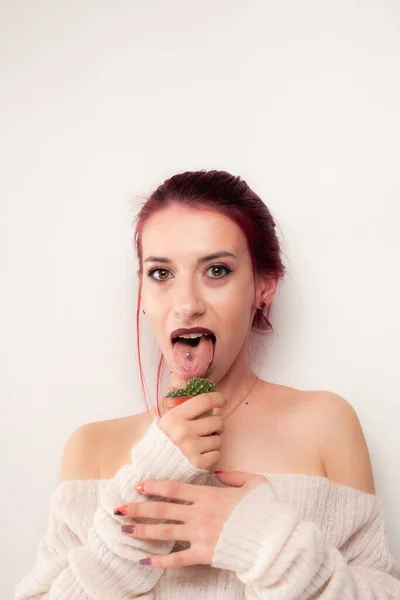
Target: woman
{"x":269,"y":496}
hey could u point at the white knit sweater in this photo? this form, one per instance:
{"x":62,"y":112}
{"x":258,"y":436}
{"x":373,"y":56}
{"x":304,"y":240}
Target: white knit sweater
{"x":296,"y":537}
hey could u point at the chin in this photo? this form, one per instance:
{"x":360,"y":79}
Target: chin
{"x":216,"y":373}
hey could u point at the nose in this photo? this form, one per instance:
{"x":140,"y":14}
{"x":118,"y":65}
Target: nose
{"x":188,"y":301}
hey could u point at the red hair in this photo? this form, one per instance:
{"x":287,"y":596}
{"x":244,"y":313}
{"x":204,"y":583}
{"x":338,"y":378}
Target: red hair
{"x":226,"y":194}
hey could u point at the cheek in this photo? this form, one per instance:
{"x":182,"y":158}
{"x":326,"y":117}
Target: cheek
{"x":154,"y":298}
{"x":155,"y":309}
{"x":234,"y":319}
{"x":234,"y":294}
{"x":233,"y":301}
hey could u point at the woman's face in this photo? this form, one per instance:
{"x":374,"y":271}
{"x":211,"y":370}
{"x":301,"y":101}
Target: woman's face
{"x":183,"y":286}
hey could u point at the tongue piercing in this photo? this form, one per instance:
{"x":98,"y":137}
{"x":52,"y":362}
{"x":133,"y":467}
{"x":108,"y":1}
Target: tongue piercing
{"x":188,"y":355}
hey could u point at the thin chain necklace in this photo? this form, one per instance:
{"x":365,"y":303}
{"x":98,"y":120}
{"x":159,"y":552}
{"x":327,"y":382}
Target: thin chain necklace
{"x":242,"y":400}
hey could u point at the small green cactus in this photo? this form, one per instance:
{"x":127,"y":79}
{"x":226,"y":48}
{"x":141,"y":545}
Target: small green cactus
{"x":194,"y":387}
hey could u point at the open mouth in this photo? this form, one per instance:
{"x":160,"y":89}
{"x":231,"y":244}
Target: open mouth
{"x":192,"y":351}
{"x":192,"y":338}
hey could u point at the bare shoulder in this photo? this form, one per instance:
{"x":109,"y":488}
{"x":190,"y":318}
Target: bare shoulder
{"x":96,"y":450}
{"x":329,"y":426}
{"x":344,"y":451}
{"x":79,"y":459}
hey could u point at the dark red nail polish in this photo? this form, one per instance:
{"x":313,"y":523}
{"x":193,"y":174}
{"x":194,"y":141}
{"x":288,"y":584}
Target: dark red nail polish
{"x":128,"y":528}
{"x":145,"y":561}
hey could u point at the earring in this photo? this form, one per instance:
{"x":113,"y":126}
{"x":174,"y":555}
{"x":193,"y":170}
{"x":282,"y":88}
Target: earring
{"x":143,"y":312}
{"x":263,"y":305}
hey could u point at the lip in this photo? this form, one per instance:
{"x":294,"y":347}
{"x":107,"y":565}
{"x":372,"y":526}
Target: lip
{"x":178,"y":332}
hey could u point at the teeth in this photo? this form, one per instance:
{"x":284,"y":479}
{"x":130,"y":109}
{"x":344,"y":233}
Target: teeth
{"x":191,"y":336}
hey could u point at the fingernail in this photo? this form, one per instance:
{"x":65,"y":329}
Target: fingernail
{"x":140,"y":487}
{"x":128,"y":529}
{"x":145,"y":561}
{"x":121,"y":510}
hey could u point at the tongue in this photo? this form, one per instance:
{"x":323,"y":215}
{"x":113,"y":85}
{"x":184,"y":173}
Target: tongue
{"x":197,"y":363}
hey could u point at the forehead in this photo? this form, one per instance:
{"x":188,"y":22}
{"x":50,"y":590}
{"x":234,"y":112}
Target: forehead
{"x":180,"y":230}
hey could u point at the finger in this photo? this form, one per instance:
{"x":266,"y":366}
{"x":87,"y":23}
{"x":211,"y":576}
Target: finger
{"x":156,"y":531}
{"x":165,"y":511}
{"x":209,"y":460}
{"x":197,"y":405}
{"x":214,"y":424}
{"x":239,"y":478}
{"x":232,"y":478}
{"x":174,"y":402}
{"x":208,"y":444}
{"x":175,"y":560}
{"x":172,"y":489}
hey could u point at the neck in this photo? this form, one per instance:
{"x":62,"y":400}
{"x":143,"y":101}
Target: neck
{"x":237,"y":381}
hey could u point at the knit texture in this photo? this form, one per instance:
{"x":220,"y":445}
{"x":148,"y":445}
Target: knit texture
{"x":296,"y":537}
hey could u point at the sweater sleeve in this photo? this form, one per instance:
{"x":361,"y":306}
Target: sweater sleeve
{"x":278,"y":556}
{"x":84,"y":555}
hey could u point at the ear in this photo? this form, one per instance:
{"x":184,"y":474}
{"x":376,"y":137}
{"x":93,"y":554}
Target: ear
{"x":265,"y":289}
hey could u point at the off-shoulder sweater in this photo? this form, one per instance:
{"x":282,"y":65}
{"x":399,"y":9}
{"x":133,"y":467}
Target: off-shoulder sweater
{"x":294,"y":537}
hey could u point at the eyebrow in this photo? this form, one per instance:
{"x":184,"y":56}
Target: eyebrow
{"x":163,"y":259}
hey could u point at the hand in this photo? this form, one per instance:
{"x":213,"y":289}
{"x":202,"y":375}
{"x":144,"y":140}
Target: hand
{"x":202,"y":520}
{"x":192,"y":435}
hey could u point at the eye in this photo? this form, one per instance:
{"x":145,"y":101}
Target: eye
{"x":219,"y":271}
{"x":162,"y":274}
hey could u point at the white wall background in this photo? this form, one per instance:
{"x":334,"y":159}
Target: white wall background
{"x":100,"y":101}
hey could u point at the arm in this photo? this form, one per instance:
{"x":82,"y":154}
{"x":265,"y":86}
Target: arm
{"x":74,"y":566}
{"x":281,"y":557}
